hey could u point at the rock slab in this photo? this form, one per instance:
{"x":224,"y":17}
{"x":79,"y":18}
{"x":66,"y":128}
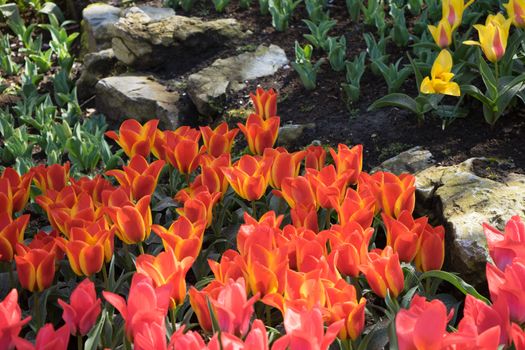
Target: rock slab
{"x":139,"y":97}
{"x":208,"y":87}
{"x":97,"y":65}
{"x":98,"y":26}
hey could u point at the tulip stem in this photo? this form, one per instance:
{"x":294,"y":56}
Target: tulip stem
{"x":127,"y":344}
{"x":254,"y":210}
{"x":105,"y":275}
{"x":327,"y":219}
{"x":268,"y":310}
{"x":497,"y":71}
{"x":141,"y":248}
{"x":428,"y":282}
{"x":173,"y":315}
{"x":80,"y":343}
{"x":36,"y":308}
{"x":11,"y":275}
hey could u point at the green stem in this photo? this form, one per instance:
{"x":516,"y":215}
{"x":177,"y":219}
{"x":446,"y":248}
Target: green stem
{"x":254,"y":210}
{"x":327,"y":219}
{"x":355,"y":282}
{"x":127,"y":344}
{"x":268,"y":310}
{"x":428,"y":284}
{"x":497,"y":71}
{"x":187,"y":177}
{"x":141,"y":248}
{"x":173,"y":315}
{"x":80,"y":343}
{"x":11,"y":276}
{"x":105,"y":275}
{"x":36,"y":309}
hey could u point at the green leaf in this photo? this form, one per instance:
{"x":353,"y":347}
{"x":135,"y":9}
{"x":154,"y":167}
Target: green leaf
{"x":397,"y":100}
{"x":477,"y":94}
{"x":489,"y":79}
{"x":93,"y":339}
{"x":456,"y":281}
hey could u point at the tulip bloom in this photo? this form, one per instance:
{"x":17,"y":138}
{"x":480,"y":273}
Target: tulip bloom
{"x":11,"y":321}
{"x":440,"y":78}
{"x":150,"y":335}
{"x":11,"y":233}
{"x":348,"y":160}
{"x":383,"y":272}
{"x":442,"y":34}
{"x":298,"y":193}
{"x":47,"y":242}
{"x":53,"y":177}
{"x":219,"y":140}
{"x":132,"y":223}
{"x":259,"y":133}
{"x":452,"y":11}
{"x":257,"y":339}
{"x":211,"y":176}
{"x":518,"y":336}
{"x":47,"y":338}
{"x":134,"y":138}
{"x":93,"y":187}
{"x":509,"y":286}
{"x":145,"y":303}
{"x":86,"y":254}
{"x":423,"y":325}
{"x":138,"y":178}
{"x":305,"y":331}
{"x":200,"y":206}
{"x":182,"y":150}
{"x":431,"y":253}
{"x":503,"y":248}
{"x":403,"y":234}
{"x":199,"y":303}
{"x":492,"y":36}
{"x":186,"y":340}
{"x":265,"y":103}
{"x":35,"y":268}
{"x":14,"y":190}
{"x":228,"y":267}
{"x":183,"y":237}
{"x":166,"y":269}
{"x":249,"y":177}
{"x":516,"y":11}
{"x":84,"y":308}
{"x":315,"y":157}
{"x":356,"y":207}
{"x":329,"y":187}
{"x":284,"y":164}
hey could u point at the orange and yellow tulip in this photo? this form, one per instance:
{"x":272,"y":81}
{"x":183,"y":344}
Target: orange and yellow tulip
{"x":516,"y":11}
{"x":166,"y":269}
{"x":328,"y":185}
{"x":181,"y":149}
{"x":431,"y":253}
{"x":198,"y":207}
{"x":134,"y":138}
{"x":132,"y":222}
{"x":11,"y":233}
{"x":95,"y":233}
{"x":493,"y":36}
{"x":138,"y":178}
{"x":228,"y":267}
{"x":265,"y":103}
{"x":183,"y":237}
{"x":94,"y":187}
{"x":403,"y":234}
{"x":298,"y":193}
{"x":264,"y":269}
{"x":440,"y":78}
{"x":284,"y":164}
{"x":442,"y":33}
{"x":219,"y":140}
{"x":199,"y":303}
{"x":14,"y":190}
{"x":305,"y":218}
{"x":452,"y":11}
{"x":315,"y":157}
{"x":48,"y":242}
{"x":35,"y":268}
{"x":348,"y":160}
{"x":259,"y":133}
{"x":53,"y":177}
{"x":249,"y":177}
{"x":356,"y":207}
{"x":383,"y":273}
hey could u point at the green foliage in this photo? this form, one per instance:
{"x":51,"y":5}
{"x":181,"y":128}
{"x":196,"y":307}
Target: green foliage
{"x":376,"y":51}
{"x":354,"y":8}
{"x":220,"y":5}
{"x":393,"y":74}
{"x":337,"y":53}
{"x":399,"y":31}
{"x":354,"y":71}
{"x":319,"y":33}
{"x":245,"y":4}
{"x":374,"y":14}
{"x":316,"y":12}
{"x":304,"y":67}
{"x":281,"y":11}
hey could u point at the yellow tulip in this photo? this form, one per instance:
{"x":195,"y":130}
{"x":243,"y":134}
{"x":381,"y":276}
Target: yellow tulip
{"x":453,"y":11}
{"x":442,"y":34}
{"x":440,"y":78}
{"x":492,"y":36}
{"x":516,"y":11}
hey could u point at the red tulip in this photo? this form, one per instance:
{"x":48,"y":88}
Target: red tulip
{"x":53,"y":177}
{"x":260,"y":133}
{"x":84,"y":308}
{"x":149,"y":336}
{"x":14,"y":190}
{"x":183,"y":237}
{"x":11,"y":233}
{"x":257,"y":339}
{"x":315,"y":157}
{"x":298,"y":193}
{"x":403,"y":234}
{"x":186,"y":340}
{"x":356,"y":207}
{"x":265,"y":103}
{"x":304,"y":218}
{"x":47,"y":338}
{"x":284,"y":164}
{"x":431,"y":254}
{"x":145,"y":303}
{"x":47,"y":242}
{"x":11,"y":321}
{"x":423,"y":325}
{"x":182,"y":150}
{"x":348,"y":160}
{"x":503,"y":248}
{"x":199,"y":303}
{"x":518,"y":337}
{"x":228,"y":267}
{"x":93,"y":187}
{"x":219,"y":140}
{"x":329,"y":187}
{"x":132,"y":222}
{"x":35,"y":268}
{"x":200,"y":206}
{"x":134,"y":138}
{"x":249,"y":176}
{"x":211,"y":176}
{"x":509,"y":286}
{"x":383,"y":273}
{"x":138,"y":178}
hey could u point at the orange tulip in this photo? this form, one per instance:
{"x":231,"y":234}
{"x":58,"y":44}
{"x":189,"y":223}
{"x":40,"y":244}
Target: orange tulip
{"x":264,"y":269}
{"x":383,"y":272}
{"x":211,"y":175}
{"x":315,"y":157}
{"x":134,"y":138}
{"x":95,"y":233}
{"x":138,"y":178}
{"x":11,"y":233}
{"x":199,"y":207}
{"x":329,"y":187}
{"x":14,"y":190}
{"x":260,"y":134}
{"x":183,"y":237}
{"x":269,"y":218}
{"x":249,"y":177}
{"x":265,"y":103}
{"x":199,"y":303}
{"x":298,"y":193}
{"x":219,"y":140}
{"x":356,"y":207}
{"x":94,"y":187}
{"x":228,"y":268}
{"x":305,"y":218}
{"x":47,"y":242}
{"x":166,"y":269}
{"x":403,"y":234}
{"x":35,"y":268}
{"x":54,"y":177}
{"x":431,"y":254}
{"x":284,"y":164}
{"x":182,"y":150}
{"x":132,"y":222}
{"x":158,"y":149}
{"x":393,"y":193}
{"x":348,"y":159}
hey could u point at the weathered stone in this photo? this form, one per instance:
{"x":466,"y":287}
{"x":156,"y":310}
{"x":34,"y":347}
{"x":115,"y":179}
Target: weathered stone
{"x":410,"y":161}
{"x":137,"y":96}
{"x":463,"y":201}
{"x":144,"y":39}
{"x":97,"y":65}
{"x":98,"y":26}
{"x":289,"y":134}
{"x":208,"y":87}
{"x":155,"y":13}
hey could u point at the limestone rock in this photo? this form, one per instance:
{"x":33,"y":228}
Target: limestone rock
{"x":139,"y":97}
{"x":410,"y":161}
{"x":289,"y":134}
{"x":145,"y":38}
{"x":98,"y":26}
{"x":208,"y":87}
{"x":464,"y":200}
{"x":97,"y":65}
